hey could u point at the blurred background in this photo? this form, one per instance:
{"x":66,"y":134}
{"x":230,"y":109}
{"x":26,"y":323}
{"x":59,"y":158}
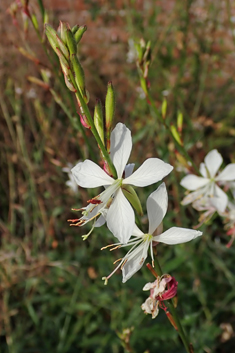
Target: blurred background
{"x":52,"y":296}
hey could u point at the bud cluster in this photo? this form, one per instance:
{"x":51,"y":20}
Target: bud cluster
{"x":65,"y":44}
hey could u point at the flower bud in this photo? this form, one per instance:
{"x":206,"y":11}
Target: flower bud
{"x":63,"y":62}
{"x":99,"y":119}
{"x":69,"y":84}
{"x":109,"y":106}
{"x":74,"y":29}
{"x":70,"y":41}
{"x":79,"y":33}
{"x":140,"y":51}
{"x":51,"y":36}
{"x":164,"y":107}
{"x":35,"y":21}
{"x":63,"y":28}
{"x":176,"y":135}
{"x":179,"y":121}
{"x":132,"y":197}
{"x":109,"y":113}
{"x":79,"y":74}
{"x":63,"y":47}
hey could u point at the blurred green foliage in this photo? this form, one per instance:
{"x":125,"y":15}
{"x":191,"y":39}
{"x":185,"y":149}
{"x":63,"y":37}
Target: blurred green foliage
{"x":52,"y":296}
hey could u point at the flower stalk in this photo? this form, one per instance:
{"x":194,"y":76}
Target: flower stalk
{"x":170,"y":304}
{"x":93,"y":128}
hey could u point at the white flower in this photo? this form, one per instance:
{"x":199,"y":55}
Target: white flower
{"x":206,"y":186}
{"x":71,"y":183}
{"x":156,"y":210}
{"x":111,"y":202}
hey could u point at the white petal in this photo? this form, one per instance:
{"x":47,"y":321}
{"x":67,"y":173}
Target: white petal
{"x":120,"y":218}
{"x":137,"y":232}
{"x":177,"y":235}
{"x":193,"y":182}
{"x":203,"y":170}
{"x":100,"y":221}
{"x":219,"y":199}
{"x":129,"y":169}
{"x":227,"y":174}
{"x":151,"y":171}
{"x":135,"y":262}
{"x":156,"y":207}
{"x":89,"y":175}
{"x":149,"y":285}
{"x":213,"y":161}
{"x":120,"y":148}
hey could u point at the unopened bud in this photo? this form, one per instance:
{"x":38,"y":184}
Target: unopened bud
{"x":109,"y":112}
{"x":71,"y":42}
{"x":62,"y":29}
{"x":63,"y":47}
{"x":79,"y":74}
{"x":63,"y":62}
{"x":69,"y":84}
{"x":51,"y":36}
{"x":179,"y":121}
{"x":164,"y":107}
{"x":34,"y":21}
{"x":147,"y":54}
{"x":133,"y":198}
{"x":74,"y":29}
{"x":176,"y":135}
{"x":99,"y":119}
{"x":109,"y":106}
{"x":79,"y":33}
{"x":140,"y":51}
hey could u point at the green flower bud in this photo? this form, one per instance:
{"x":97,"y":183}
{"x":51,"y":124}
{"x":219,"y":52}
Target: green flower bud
{"x":74,"y":29}
{"x":63,"y":29}
{"x":140,"y":52}
{"x":69,"y":84}
{"x":63,"y":62}
{"x":132,"y":197}
{"x":63,"y":47}
{"x":35,"y":21}
{"x":176,"y":135}
{"x":79,"y":33}
{"x":79,"y":74}
{"x":164,"y":107}
{"x":51,"y":36}
{"x":109,"y":106}
{"x":147,"y":54}
{"x":109,"y":113}
{"x":179,"y":121}
{"x":99,"y":119}
{"x":70,"y":41}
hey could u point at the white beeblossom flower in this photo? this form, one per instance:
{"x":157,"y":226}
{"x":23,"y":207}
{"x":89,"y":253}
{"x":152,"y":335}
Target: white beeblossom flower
{"x":207,"y":185}
{"x":156,"y":209}
{"x":112,"y":203}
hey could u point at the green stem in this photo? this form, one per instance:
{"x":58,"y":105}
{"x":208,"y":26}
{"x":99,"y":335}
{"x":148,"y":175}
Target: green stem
{"x":93,"y":128}
{"x":174,"y":313}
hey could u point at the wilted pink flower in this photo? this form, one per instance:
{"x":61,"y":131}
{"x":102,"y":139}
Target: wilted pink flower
{"x":163,"y":288}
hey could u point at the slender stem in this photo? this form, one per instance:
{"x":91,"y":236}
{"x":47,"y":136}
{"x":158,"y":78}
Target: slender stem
{"x":93,"y":128}
{"x":174,"y":313}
